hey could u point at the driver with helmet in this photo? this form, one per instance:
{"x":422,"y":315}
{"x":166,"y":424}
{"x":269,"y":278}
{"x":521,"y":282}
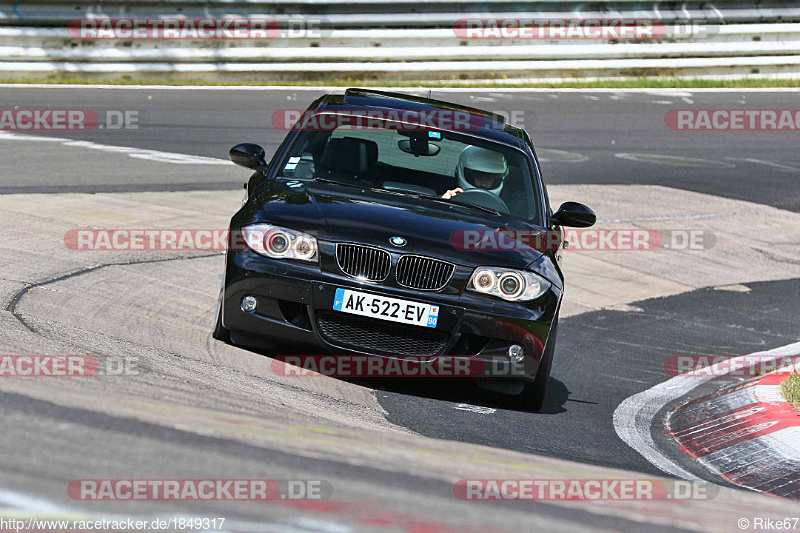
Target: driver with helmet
{"x":479,"y":168}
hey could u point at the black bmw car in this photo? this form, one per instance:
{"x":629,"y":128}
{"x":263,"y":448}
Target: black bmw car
{"x":381,"y":226}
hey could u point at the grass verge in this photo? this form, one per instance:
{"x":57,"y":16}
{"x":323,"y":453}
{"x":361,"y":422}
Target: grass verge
{"x":790,"y":388}
{"x":631,"y":83}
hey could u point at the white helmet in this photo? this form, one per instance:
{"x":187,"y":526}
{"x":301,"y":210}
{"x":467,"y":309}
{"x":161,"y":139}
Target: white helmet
{"x":481,"y":163}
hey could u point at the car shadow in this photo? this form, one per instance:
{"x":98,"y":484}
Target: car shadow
{"x":456,"y":390}
{"x":464,"y":390}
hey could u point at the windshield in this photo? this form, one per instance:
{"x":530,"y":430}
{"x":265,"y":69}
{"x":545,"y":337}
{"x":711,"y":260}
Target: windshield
{"x":415,"y":161}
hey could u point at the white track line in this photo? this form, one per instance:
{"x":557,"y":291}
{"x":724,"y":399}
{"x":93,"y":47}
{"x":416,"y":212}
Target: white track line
{"x":23,"y":502}
{"x":12,"y":502}
{"x":421,"y":88}
{"x":633,"y":419}
{"x":137,"y":153}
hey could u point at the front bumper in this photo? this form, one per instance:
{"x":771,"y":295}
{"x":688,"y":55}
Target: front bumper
{"x":295,"y":302}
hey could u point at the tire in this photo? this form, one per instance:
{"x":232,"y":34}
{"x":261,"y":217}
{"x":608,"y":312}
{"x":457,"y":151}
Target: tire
{"x":533,"y":395}
{"x":220,"y":332}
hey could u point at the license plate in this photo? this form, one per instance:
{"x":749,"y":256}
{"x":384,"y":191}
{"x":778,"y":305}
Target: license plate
{"x":385,"y":308}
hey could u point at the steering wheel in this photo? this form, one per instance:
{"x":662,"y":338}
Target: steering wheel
{"x":482,"y":198}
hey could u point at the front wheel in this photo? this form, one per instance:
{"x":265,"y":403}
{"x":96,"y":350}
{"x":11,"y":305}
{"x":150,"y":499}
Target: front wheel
{"x":533,"y":394}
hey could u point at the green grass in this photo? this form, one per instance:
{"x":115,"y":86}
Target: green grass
{"x":790,"y":388}
{"x":631,"y":83}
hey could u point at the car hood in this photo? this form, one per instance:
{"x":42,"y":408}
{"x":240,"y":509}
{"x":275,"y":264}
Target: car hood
{"x":337,"y":213}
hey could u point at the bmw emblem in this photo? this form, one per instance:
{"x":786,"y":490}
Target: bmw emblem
{"x":398,"y":241}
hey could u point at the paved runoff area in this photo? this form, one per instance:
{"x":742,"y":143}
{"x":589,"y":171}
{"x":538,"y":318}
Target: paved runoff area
{"x":168,"y":402}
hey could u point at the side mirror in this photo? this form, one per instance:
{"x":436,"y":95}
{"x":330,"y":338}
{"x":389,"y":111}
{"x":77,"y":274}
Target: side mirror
{"x":248,"y":155}
{"x":574,"y":215}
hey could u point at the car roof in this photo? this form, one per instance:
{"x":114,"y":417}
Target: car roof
{"x":491,"y":127}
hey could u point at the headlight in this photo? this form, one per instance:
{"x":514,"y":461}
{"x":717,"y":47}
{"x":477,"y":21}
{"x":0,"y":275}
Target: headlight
{"x":484,"y":280}
{"x":508,"y":284}
{"x":280,"y":243}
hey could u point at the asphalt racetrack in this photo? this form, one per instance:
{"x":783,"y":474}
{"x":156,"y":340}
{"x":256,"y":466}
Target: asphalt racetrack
{"x":200,"y":409}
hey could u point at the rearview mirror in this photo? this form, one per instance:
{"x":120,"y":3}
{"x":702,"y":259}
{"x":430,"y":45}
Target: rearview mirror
{"x":418,"y":146}
{"x":574,"y":215}
{"x":247,"y":155}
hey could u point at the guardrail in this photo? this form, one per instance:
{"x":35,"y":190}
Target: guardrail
{"x":406,"y":39}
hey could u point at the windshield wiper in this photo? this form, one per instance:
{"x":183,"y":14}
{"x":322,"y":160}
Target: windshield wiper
{"x":413,"y":195}
{"x":451,"y":202}
{"x":480,"y":208}
{"x":441,"y":200}
{"x":326,"y":180}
